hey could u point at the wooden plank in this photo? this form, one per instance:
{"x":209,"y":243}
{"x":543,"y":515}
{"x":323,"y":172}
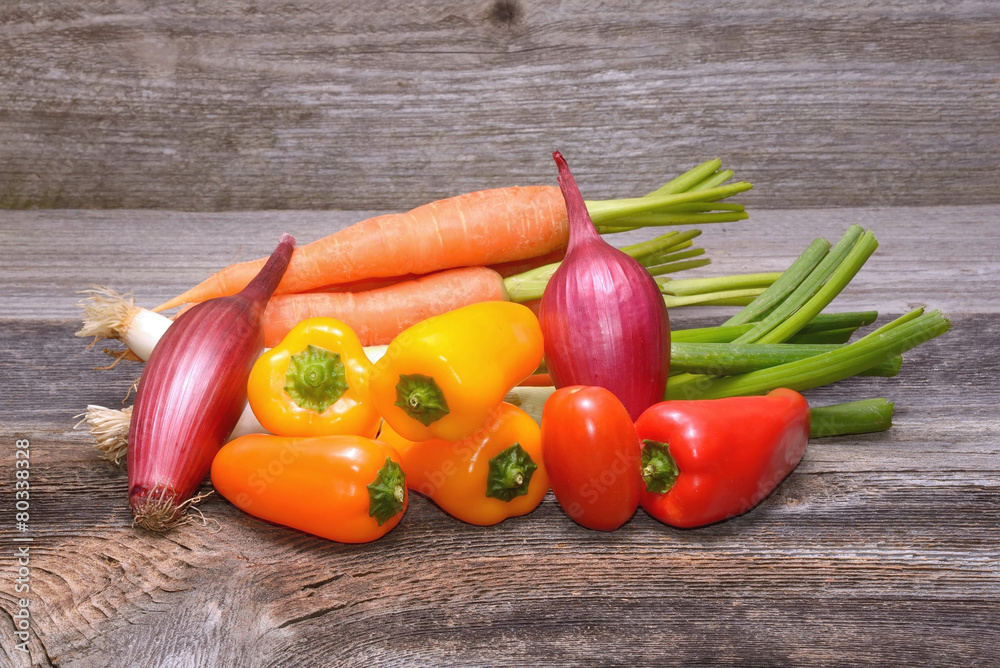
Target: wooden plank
{"x":942,"y":257}
{"x":328,"y":104}
{"x":878,"y":549}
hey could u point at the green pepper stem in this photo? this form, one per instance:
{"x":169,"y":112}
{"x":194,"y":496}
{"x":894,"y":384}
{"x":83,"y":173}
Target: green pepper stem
{"x":659,"y":469}
{"x":510,"y":473}
{"x":421,"y":398}
{"x":316,"y":378}
{"x":387,"y":492}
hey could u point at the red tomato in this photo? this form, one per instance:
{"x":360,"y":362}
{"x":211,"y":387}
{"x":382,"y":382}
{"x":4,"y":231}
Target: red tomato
{"x":593,"y":456}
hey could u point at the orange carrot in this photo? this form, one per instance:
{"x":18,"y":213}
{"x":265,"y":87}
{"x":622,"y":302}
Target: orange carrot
{"x":505,"y":269}
{"x":479,"y":228}
{"x":534,"y":305}
{"x":536,"y":380}
{"x":366,"y":284}
{"x":512,"y":267}
{"x":487,"y":227}
{"x":377,"y":316}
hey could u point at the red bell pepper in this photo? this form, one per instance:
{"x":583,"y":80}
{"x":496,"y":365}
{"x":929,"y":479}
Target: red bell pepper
{"x":704,"y":461}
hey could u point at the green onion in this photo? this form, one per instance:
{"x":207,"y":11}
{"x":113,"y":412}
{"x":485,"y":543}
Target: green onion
{"x":855,"y":417}
{"x":883,"y":344}
{"x":805,"y":290}
{"x":658,"y":255}
{"x":785,"y":284}
{"x":726,"y":359}
{"x":696,"y":286}
{"x":723,"y":298}
{"x":689,"y":199}
{"x":836,"y":322}
{"x":837,"y":281}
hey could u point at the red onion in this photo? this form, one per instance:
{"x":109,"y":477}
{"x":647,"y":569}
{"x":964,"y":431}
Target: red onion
{"x":602,"y":315}
{"x":192,"y":393}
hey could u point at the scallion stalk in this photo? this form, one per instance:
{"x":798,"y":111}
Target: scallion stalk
{"x":722,"y":298}
{"x":681,"y":287}
{"x":824,"y":322}
{"x":855,"y":417}
{"x":726,"y":359}
{"x":833,"y":286}
{"x":805,"y":290}
{"x":693,"y":198}
{"x":785,"y":284}
{"x":657,"y":255}
{"x":612,"y":211}
{"x":885,"y":343}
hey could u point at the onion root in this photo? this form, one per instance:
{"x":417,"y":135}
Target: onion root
{"x":159,"y":512}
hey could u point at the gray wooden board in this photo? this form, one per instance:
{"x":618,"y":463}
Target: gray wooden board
{"x":945,"y":257}
{"x":236,"y":104}
{"x":877,"y":549}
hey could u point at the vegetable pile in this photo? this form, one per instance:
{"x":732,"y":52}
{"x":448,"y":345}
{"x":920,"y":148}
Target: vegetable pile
{"x":485,"y":349}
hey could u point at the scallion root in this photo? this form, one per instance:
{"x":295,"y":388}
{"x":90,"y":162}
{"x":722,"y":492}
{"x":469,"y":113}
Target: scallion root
{"x":109,"y":427}
{"x":118,"y":356}
{"x":159,"y":512}
{"x":105,"y":313}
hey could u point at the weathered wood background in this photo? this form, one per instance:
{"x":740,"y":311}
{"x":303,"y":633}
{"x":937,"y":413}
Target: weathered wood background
{"x":152,"y":143}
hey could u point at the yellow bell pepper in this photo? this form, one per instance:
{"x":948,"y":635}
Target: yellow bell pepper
{"x":314,"y":383}
{"x":494,"y":473}
{"x":444,"y":376}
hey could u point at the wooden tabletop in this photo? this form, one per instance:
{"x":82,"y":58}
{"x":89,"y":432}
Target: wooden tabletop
{"x":144,"y":146}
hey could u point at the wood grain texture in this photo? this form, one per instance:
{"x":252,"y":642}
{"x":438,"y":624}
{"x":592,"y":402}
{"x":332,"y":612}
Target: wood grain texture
{"x":329,"y":104}
{"x":941,"y":256}
{"x":878,"y":549}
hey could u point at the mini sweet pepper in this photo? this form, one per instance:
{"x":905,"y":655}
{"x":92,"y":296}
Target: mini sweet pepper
{"x":442,"y":377}
{"x":706,"y":460}
{"x":494,"y":473}
{"x":314,"y":383}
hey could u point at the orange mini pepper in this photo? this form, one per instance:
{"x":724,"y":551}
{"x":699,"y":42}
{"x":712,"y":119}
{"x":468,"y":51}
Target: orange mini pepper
{"x":345,"y":488}
{"x":315,"y":382}
{"x":442,"y":377}
{"x":494,"y":473}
